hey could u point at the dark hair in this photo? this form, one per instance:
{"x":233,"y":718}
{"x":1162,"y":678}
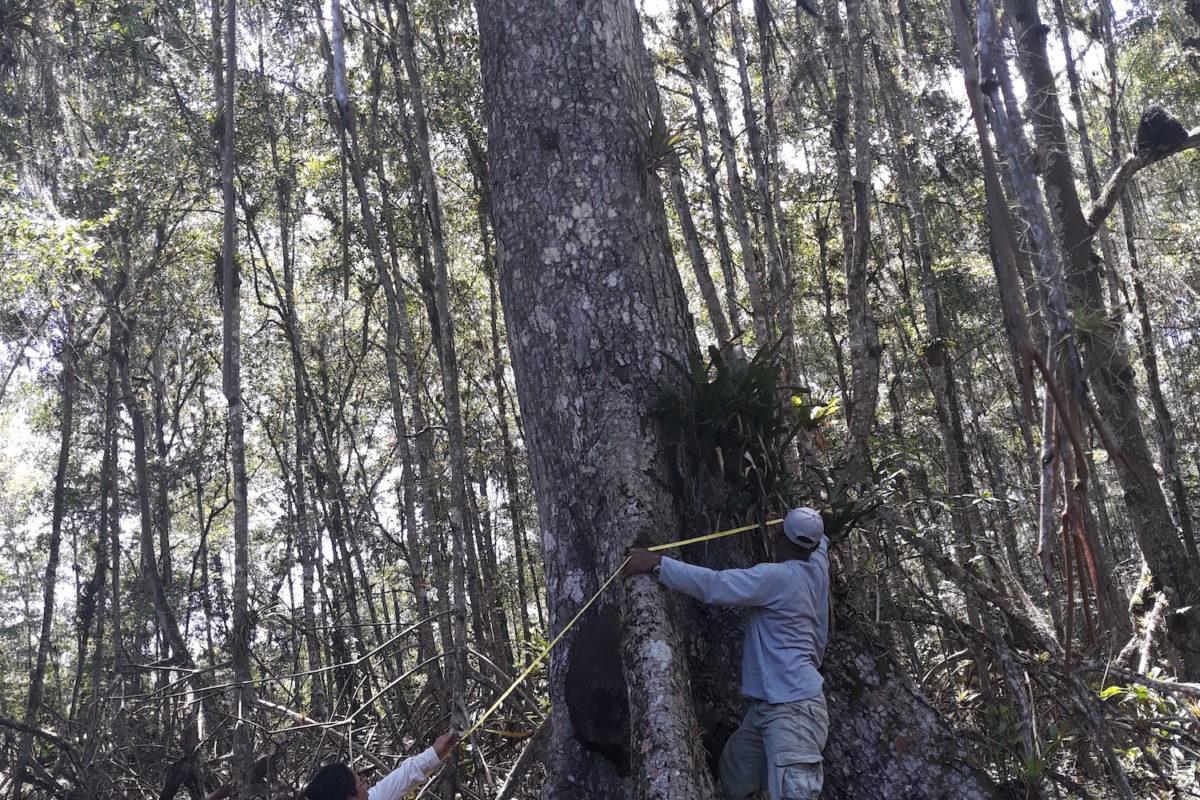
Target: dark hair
{"x":787,"y":550}
{"x":332,"y":782}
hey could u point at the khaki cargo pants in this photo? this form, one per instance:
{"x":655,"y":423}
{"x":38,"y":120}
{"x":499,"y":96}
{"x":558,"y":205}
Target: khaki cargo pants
{"x":777,"y":748}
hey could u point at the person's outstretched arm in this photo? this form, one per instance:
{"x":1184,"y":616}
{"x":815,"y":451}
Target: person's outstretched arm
{"x":413,"y":771}
{"x":755,"y":586}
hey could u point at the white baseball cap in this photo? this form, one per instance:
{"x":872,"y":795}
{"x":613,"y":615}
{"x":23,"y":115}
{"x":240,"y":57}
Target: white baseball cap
{"x":803,"y":527}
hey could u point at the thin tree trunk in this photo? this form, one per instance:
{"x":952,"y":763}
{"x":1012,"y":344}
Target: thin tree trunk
{"x":716,"y":204}
{"x":776,"y":266}
{"x":231,"y":384}
{"x":1085,"y":148}
{"x":865,"y":349}
{"x":695,"y":251}
{"x":760,"y":312}
{"x":512,"y":484}
{"x":58,"y":509}
{"x":1000,"y":224}
{"x":462,"y":547}
{"x":1164,"y":424}
{"x":1061,"y":355}
{"x":306,"y":547}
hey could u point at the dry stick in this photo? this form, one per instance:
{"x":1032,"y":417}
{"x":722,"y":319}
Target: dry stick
{"x":370,"y":701}
{"x":303,"y":719}
{"x":508,"y":679}
{"x":1069,"y":636}
{"x":354,"y":662}
{"x":1083,"y":696}
{"x":37,"y":329}
{"x":523,"y":762}
{"x":41,"y":733}
{"x":1082,"y":555}
{"x":948,"y":661}
{"x":1071,"y":425}
{"x":1171,"y":687}
{"x":1154,"y":621}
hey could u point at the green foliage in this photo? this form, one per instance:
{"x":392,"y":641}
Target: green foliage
{"x":847,"y":501}
{"x":40,"y":249}
{"x":664,"y":143}
{"x":729,"y":429}
{"x":732,"y":429}
{"x":1086,"y":324}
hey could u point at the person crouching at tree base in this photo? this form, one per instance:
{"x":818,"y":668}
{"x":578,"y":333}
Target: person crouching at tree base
{"x":339,"y":782}
{"x":780,"y":740}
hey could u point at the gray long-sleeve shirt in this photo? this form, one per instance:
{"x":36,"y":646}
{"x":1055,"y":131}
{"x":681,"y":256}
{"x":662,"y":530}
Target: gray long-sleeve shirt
{"x":788,"y":623}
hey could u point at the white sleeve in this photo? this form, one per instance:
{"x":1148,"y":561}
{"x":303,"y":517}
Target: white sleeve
{"x":404,"y":778}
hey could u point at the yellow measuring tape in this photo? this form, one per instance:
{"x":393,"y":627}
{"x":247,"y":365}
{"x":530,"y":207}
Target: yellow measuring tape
{"x":546,"y":651}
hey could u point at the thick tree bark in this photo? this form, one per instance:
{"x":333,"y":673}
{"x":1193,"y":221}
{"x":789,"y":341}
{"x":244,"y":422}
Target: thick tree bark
{"x":592,"y":303}
{"x":885,"y":741}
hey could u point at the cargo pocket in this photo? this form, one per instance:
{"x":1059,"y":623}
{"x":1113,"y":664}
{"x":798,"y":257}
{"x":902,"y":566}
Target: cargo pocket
{"x":800,"y":775}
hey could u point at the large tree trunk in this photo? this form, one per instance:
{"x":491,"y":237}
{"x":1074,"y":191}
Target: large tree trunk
{"x":885,"y":741}
{"x":593,"y":303}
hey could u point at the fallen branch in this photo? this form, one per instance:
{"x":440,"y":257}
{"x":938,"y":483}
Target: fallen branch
{"x":66,"y":747}
{"x":1165,"y":687}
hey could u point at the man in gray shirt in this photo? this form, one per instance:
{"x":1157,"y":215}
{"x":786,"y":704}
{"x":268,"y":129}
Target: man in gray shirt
{"x":778,"y":746}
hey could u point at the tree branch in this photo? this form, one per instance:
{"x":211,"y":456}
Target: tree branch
{"x":66,"y":747}
{"x":1099,"y":210}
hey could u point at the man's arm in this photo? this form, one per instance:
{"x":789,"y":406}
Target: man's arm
{"x":822,"y":551}
{"x":413,"y":771}
{"x":755,"y":586}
